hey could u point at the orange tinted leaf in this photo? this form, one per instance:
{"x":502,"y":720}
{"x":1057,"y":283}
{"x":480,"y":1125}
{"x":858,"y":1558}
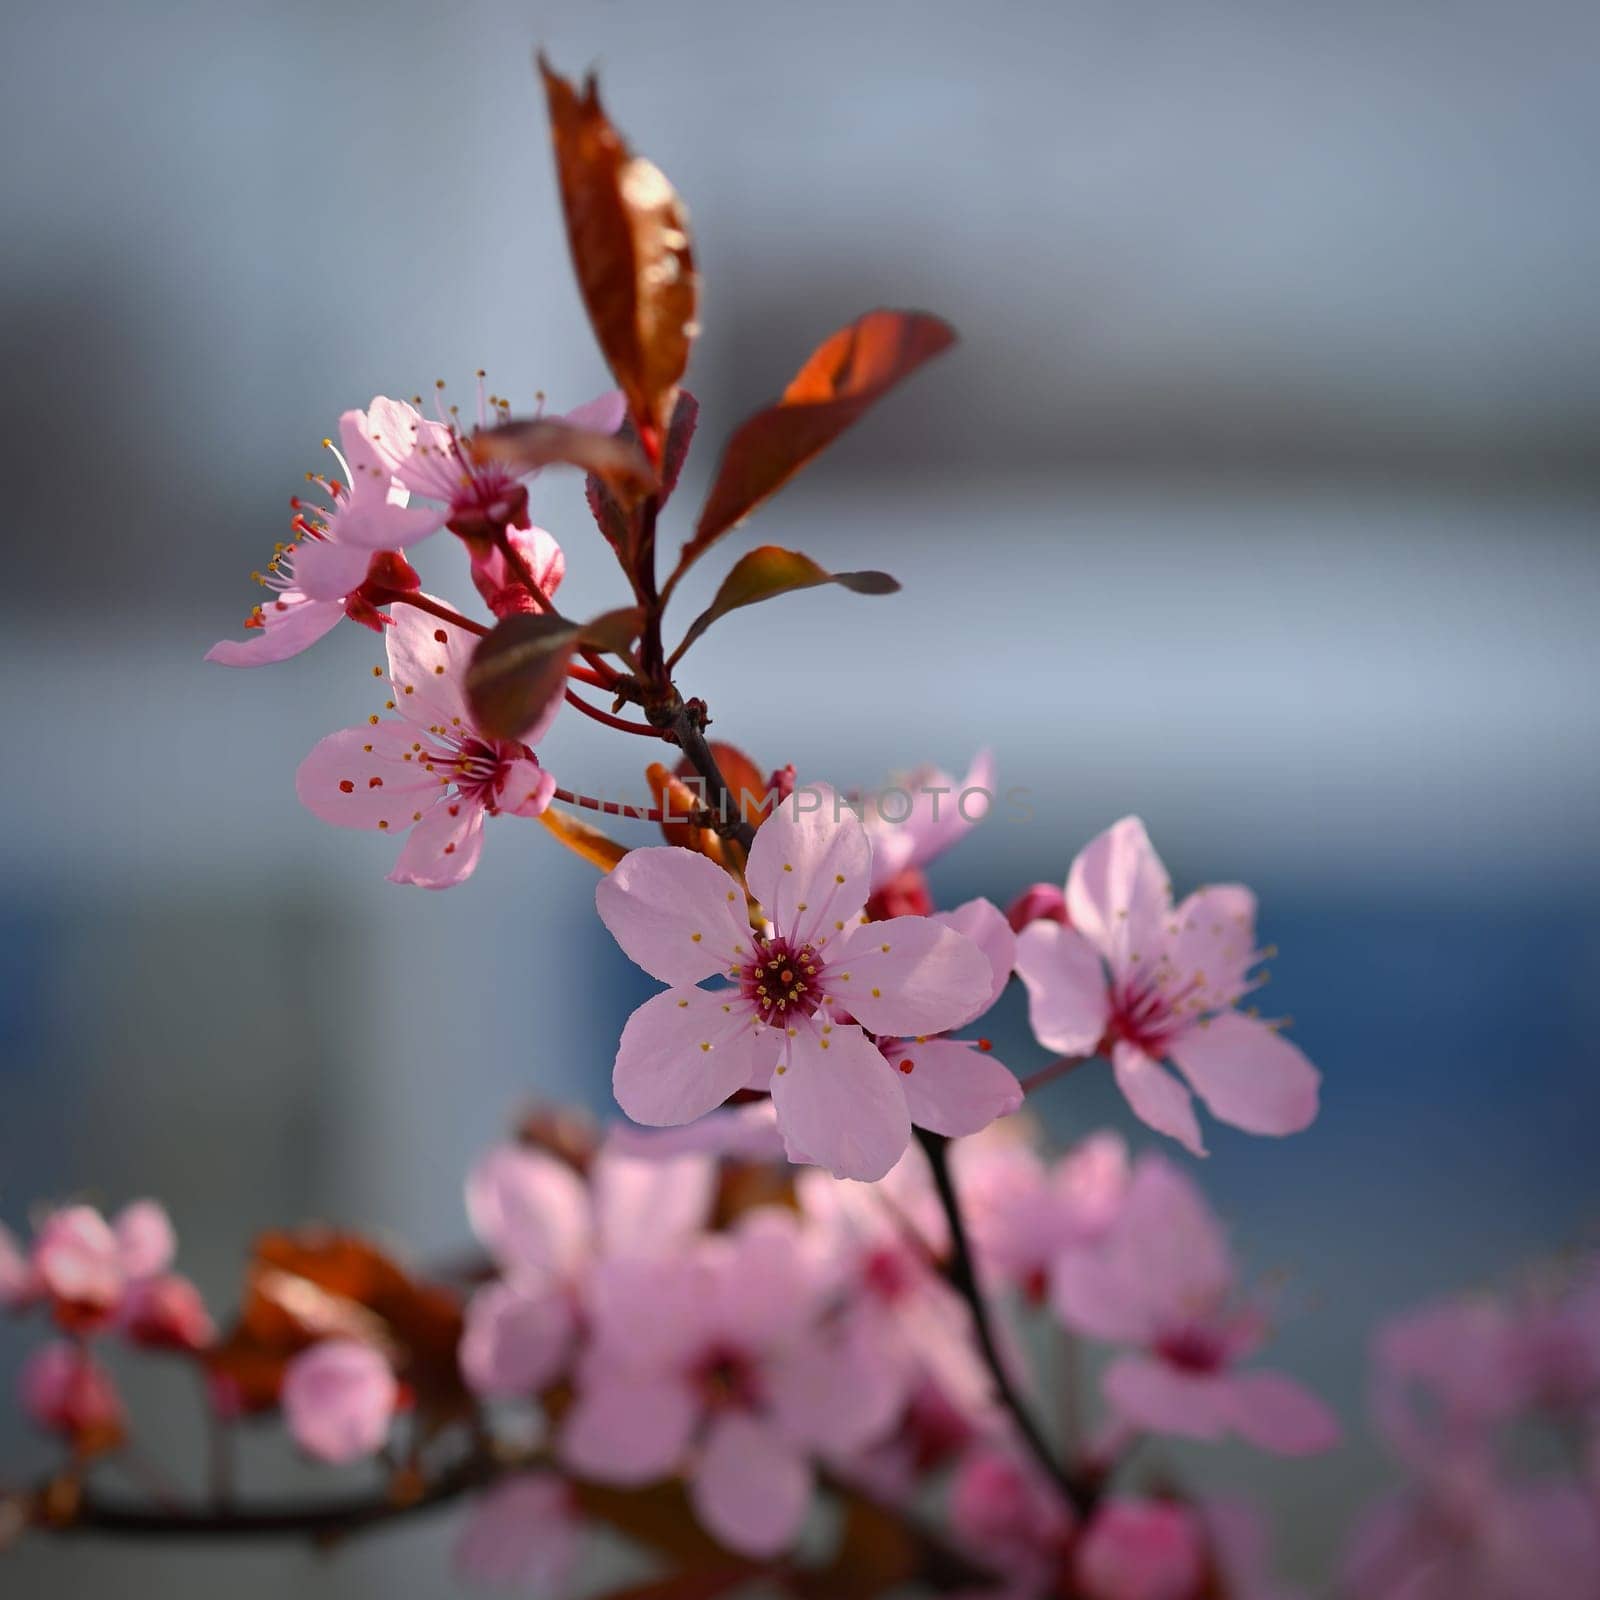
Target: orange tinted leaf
{"x":527,"y":443}
{"x":629,"y":234}
{"x":845,"y":376}
{"x":770,"y":570}
{"x":595,"y":847}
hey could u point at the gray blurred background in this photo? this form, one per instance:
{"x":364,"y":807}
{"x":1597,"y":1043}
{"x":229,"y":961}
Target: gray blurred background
{"x":1260,"y":497}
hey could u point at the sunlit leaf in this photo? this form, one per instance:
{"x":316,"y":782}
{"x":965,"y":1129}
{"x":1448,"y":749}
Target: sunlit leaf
{"x":595,"y":847}
{"x":525,"y":444}
{"x":845,"y":376}
{"x":520,"y":669}
{"x":629,"y":234}
{"x":616,"y":523}
{"x":770,"y":570}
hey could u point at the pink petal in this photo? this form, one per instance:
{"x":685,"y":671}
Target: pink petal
{"x":516,"y":1340}
{"x":985,"y":925}
{"x":908,"y":976}
{"x":444,"y":846}
{"x":384,"y":525}
{"x":683,"y":1053}
{"x":145,"y":1238}
{"x":1215,"y":938}
{"x":327,"y":570}
{"x":522,"y":1534}
{"x":64,"y":1389}
{"x":361,"y":778}
{"x":1118,"y":893}
{"x":1142,"y":1550}
{"x":1068,"y":1001}
{"x":603,"y":414}
{"x":1168,"y":1239}
{"x":1094,"y":1294}
{"x":837,"y":1394}
{"x":1278,"y":1414}
{"x":290,"y":623}
{"x":385,"y":433}
{"x":526,"y":789}
{"x":1154,"y":1396}
{"x":428,"y":660}
{"x":338,"y":1400}
{"x":530,"y":1211}
{"x":840,"y":1103}
{"x":811,"y":851}
{"x":1248,"y":1074}
{"x":78,"y":1258}
{"x":751,"y":1490}
{"x":942,"y":813}
{"x":649,"y":1315}
{"x":761,"y":1286}
{"x":650,"y":1204}
{"x":165,"y":1312}
{"x":675,"y":913}
{"x":492,"y":574}
{"x":624,"y":1428}
{"x":1156,"y":1097}
{"x":953,"y":1087}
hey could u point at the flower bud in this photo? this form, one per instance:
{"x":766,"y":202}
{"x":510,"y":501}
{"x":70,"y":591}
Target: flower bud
{"x":1039,"y":902}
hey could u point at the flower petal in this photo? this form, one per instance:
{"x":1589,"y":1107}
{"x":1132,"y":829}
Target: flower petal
{"x":1118,"y":893}
{"x":985,"y":924}
{"x":367,"y":777}
{"x":516,"y":1340}
{"x":603,"y":414}
{"x":751,"y":1490}
{"x":840,"y":1104}
{"x":953,"y":1087}
{"x":324,"y":569}
{"x":530,"y":1211}
{"x":1248,"y":1074}
{"x":1275,"y":1413}
{"x":526,"y":789}
{"x":837,"y":1393}
{"x":522,"y":1534}
{"x":289,"y":624}
{"x":145,"y":1238}
{"x":682,"y":1054}
{"x":443,"y":847}
{"x":908,"y":976}
{"x":339,"y":1398}
{"x":428,"y":660}
{"x":812,"y":851}
{"x":650,"y":1204}
{"x":1156,"y":1097}
{"x":628,"y":1428}
{"x":1215,"y":940}
{"x":675,"y":913}
{"x":1152,"y":1395}
{"x":1069,"y":1003}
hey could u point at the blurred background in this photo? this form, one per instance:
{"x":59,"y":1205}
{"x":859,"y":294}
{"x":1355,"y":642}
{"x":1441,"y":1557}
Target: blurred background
{"x":1260,"y":497}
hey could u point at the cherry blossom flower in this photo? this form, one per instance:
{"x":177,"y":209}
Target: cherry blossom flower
{"x":545,"y":1228}
{"x":339,"y":1398}
{"x":432,"y":458}
{"x":1141,"y":1550}
{"x":1163,"y":1279}
{"x":64,"y":1390}
{"x":1024,"y":1215}
{"x":428,"y":770}
{"x":803,"y":992}
{"x":316,"y":580}
{"x":722,"y":1367}
{"x":1039,"y":902}
{"x":924,"y":815}
{"x":498,"y":582}
{"x":1011,"y":1520}
{"x":523,"y":1534}
{"x":1132,"y":977}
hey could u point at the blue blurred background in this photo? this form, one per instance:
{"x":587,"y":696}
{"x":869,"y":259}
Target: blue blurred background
{"x":1260,"y":498}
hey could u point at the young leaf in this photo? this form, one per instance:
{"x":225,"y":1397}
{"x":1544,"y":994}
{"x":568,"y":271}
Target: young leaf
{"x":629,"y":234}
{"x":611,"y":519}
{"x":770,"y":570}
{"x":520,"y":669}
{"x":525,"y":444}
{"x":845,"y":376}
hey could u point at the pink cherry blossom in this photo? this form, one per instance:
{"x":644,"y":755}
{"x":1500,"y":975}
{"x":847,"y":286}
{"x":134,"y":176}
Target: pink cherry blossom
{"x":429,"y":770}
{"x":338,"y":1400}
{"x":78,"y":1260}
{"x":433,"y":458}
{"x":165,"y":1312}
{"x":803,"y":991}
{"x":1024,"y":1215}
{"x":1039,"y":902}
{"x":545,"y":1228}
{"x":1011,"y":1520}
{"x":64,"y":1390}
{"x":1133,"y":977}
{"x":1163,"y":1279}
{"x":1141,"y":1550}
{"x":524,"y":1534}
{"x":314,"y":581}
{"x":721,"y":1366}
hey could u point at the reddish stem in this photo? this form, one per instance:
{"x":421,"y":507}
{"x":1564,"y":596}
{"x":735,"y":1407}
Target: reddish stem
{"x":435,"y":608}
{"x":612,"y":808}
{"x":610,"y":721}
{"x":1056,"y":1069}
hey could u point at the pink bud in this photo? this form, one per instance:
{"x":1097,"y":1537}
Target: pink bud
{"x":338,"y":1400}
{"x":904,"y":895}
{"x":79,"y":1263}
{"x":166,"y":1313}
{"x":64,"y":1390}
{"x":1039,"y":902}
{"x":145,"y":1237}
{"x":1142,"y":1550}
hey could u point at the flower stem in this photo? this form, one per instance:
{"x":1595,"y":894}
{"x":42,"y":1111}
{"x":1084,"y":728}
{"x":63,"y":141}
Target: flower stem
{"x":611,"y":808}
{"x":1056,"y":1069}
{"x":610,"y":721}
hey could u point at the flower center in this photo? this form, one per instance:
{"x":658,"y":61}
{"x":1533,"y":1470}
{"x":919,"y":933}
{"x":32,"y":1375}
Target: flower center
{"x":1192,"y":1349}
{"x":479,"y":769}
{"x":727,"y":1379}
{"x":782,"y":980}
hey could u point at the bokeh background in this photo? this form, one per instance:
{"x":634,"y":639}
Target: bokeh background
{"x":1260,"y":497}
